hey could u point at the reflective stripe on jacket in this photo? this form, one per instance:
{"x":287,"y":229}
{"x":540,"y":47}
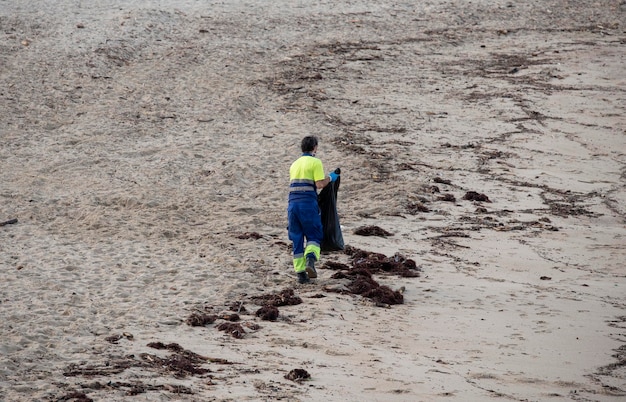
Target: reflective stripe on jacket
{"x":303,"y":174}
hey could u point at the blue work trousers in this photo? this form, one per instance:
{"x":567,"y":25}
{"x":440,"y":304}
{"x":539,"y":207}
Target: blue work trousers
{"x":305,"y":223}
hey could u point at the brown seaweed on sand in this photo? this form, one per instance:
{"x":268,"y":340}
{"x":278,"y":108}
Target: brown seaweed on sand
{"x":284,"y":298}
{"x":249,"y":235}
{"x":474,"y":196}
{"x":377,"y":263}
{"x":234,"y":329}
{"x":268,"y":313}
{"x":335,"y":266}
{"x":447,"y":197}
{"x":364,"y":265}
{"x":200,"y":319}
{"x":298,"y":375}
{"x":442,"y":181}
{"x":180,"y":365}
{"x":364,"y":285}
{"x":372,"y":231}
{"x":414,"y":207}
{"x":75,"y":397}
{"x":367,"y":287}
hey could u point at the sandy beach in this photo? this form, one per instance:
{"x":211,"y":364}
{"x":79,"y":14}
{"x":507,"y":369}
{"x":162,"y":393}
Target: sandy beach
{"x":144,"y":157}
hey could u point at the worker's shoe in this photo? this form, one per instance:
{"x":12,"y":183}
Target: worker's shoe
{"x":303,"y":277}
{"x":310,"y":267}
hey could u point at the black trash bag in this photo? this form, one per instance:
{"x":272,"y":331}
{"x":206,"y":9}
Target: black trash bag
{"x":327,"y":200}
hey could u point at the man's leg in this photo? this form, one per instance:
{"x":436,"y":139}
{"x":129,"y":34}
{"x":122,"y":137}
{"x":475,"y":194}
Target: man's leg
{"x":313,"y":231}
{"x":296,"y":235}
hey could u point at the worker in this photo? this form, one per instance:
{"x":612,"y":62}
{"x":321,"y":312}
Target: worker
{"x":306,"y":176}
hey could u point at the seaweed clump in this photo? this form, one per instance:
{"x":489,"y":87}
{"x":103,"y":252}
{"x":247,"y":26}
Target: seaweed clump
{"x":284,"y":298}
{"x":380,"y":263}
{"x":364,"y":265}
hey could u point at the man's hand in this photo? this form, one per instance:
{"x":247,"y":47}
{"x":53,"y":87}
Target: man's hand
{"x":320,"y":184}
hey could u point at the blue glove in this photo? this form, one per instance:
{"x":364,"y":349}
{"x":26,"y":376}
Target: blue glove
{"x":333,"y":176}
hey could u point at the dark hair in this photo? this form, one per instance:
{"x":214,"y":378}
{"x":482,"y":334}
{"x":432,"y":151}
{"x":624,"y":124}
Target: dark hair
{"x":308,"y":143}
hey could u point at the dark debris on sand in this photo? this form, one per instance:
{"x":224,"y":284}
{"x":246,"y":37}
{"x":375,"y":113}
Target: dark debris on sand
{"x":335,"y":266}
{"x":128,"y":388}
{"x":134,"y":388}
{"x":249,"y":235}
{"x":180,"y":363}
{"x":174,"y":347}
{"x":200,"y":319}
{"x":413,"y":208}
{"x":298,"y":375}
{"x":442,"y":181}
{"x":364,"y":265}
{"x":238,"y":307}
{"x":474,"y":196}
{"x":75,"y":397}
{"x":268,"y":313}
{"x":364,"y":285}
{"x":232,"y":317}
{"x":380,"y":263}
{"x":113,"y":366}
{"x":234,"y":329}
{"x":372,"y":231}
{"x":284,"y":298}
{"x":447,"y":197}
{"x":271,"y":302}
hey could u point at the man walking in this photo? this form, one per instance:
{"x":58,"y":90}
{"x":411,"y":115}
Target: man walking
{"x":306,"y":176}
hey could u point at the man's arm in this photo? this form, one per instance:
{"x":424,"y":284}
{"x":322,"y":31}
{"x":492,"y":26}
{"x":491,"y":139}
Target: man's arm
{"x":320,"y":184}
